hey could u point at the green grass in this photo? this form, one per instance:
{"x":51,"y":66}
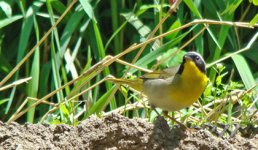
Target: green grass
{"x":68,"y":50}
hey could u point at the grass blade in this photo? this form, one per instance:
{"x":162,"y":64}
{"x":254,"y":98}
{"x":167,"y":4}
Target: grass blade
{"x":35,"y":71}
{"x":244,"y":71}
{"x":7,"y":21}
{"x":24,"y":40}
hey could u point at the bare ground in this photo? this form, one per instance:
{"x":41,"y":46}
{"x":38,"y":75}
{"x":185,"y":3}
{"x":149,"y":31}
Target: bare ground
{"x":116,"y":132}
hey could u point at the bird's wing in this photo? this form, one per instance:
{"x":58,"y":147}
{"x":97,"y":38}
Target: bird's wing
{"x":162,"y":74}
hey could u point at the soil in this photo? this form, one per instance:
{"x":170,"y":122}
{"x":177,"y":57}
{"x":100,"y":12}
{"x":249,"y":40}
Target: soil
{"x":116,"y":132}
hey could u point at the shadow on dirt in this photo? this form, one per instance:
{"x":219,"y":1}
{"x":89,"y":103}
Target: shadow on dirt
{"x":166,"y":137}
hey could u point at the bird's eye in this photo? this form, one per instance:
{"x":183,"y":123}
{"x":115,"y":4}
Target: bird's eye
{"x":197,"y":58}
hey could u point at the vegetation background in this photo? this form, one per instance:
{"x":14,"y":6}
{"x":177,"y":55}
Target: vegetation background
{"x":52,"y":52}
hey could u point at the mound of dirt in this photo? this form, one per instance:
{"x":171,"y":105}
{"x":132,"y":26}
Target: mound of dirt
{"x":115,"y":132}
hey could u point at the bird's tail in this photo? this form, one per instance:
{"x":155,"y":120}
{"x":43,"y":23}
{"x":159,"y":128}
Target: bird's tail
{"x":136,"y":84}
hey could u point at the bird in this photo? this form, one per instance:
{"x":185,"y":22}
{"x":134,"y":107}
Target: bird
{"x":174,"y":88}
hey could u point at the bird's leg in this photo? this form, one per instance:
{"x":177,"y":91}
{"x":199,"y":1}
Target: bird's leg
{"x":154,"y":108}
{"x":160,"y":122}
{"x":173,"y":119}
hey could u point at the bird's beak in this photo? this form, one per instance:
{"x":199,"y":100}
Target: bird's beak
{"x":187,"y":58}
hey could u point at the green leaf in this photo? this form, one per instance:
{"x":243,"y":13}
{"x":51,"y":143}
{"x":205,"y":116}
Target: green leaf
{"x":35,"y":71}
{"x":144,"y":8}
{"x":56,"y":75}
{"x":69,"y":30}
{"x":6,"y":8}
{"x":64,"y":110}
{"x":192,"y":7}
{"x":88,"y":9}
{"x":60,"y":8}
{"x":232,"y":5}
{"x":254,"y":20}
{"x":255,"y":2}
{"x":175,"y":25}
{"x":102,"y":54}
{"x":223,"y":34}
{"x":142,"y":29}
{"x":199,"y":41}
{"x":3,"y":101}
{"x":24,"y":40}
{"x":7,"y":21}
{"x":56,"y":35}
{"x":101,"y":102}
{"x":244,"y":71}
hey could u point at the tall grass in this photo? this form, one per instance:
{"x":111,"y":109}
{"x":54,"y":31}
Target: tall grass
{"x":68,"y":50}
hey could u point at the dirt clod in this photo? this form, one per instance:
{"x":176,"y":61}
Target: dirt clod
{"x":115,"y":132}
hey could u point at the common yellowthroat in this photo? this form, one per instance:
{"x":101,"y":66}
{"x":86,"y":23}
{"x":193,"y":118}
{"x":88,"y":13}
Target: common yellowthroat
{"x":173,"y":91}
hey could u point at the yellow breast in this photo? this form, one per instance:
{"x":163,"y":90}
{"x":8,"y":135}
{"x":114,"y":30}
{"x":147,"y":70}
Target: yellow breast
{"x":189,"y":85}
